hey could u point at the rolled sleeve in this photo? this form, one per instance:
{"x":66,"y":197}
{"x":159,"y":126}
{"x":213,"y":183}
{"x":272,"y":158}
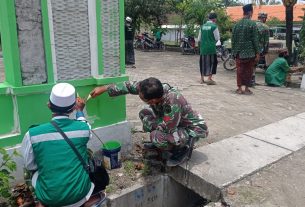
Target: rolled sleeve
{"x":27,"y":153}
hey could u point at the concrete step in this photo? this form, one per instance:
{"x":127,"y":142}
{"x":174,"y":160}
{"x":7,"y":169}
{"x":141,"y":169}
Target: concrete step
{"x":214,"y":167}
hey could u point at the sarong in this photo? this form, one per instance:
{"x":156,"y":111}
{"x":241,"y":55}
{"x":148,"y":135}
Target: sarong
{"x":129,"y":53}
{"x":244,"y":71}
{"x":208,"y":64}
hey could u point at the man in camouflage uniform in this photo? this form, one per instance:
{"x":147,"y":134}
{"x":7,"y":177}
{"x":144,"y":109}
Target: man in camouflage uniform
{"x":245,"y":49}
{"x":170,"y":119}
{"x":263,"y":39}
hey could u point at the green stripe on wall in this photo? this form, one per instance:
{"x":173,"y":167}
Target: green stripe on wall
{"x":10,"y":43}
{"x":99,"y":38}
{"x":47,"y":40}
{"x":122,"y":37}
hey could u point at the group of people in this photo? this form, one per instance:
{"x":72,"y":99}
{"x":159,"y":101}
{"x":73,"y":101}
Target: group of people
{"x":59,"y":177}
{"x":250,"y":44}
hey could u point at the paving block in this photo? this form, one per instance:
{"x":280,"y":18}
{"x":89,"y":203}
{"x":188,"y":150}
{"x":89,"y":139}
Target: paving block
{"x":288,"y":133}
{"x":222,"y":163}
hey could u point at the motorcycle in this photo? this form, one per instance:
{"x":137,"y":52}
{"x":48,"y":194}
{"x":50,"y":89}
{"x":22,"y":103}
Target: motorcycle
{"x":221,"y":51}
{"x":230,"y":63}
{"x":188,"y":45}
{"x":137,"y":44}
{"x":149,"y":43}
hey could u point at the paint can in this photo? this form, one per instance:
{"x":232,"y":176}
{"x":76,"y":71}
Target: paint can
{"x":112,"y":154}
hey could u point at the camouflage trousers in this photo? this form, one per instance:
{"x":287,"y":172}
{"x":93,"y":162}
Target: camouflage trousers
{"x":178,"y":137}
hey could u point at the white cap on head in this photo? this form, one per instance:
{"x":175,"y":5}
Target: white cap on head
{"x":128,"y":19}
{"x":63,"y":95}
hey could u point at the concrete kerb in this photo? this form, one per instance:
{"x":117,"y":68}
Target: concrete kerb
{"x":215,"y":167}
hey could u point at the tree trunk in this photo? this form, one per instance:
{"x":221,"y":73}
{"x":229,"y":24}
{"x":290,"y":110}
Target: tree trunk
{"x":289,"y":25}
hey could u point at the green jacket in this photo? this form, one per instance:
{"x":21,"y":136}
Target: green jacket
{"x":245,"y":39}
{"x":276,"y":73}
{"x":207,"y":40}
{"x":62,"y":180}
{"x":263,"y":36}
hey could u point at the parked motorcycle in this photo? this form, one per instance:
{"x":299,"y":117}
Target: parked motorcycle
{"x":188,"y":45}
{"x":149,"y":43}
{"x":137,"y":44}
{"x":221,"y":51}
{"x":230,"y":63}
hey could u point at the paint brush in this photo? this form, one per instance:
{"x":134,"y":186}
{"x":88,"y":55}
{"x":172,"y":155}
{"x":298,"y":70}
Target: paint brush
{"x":89,"y":96}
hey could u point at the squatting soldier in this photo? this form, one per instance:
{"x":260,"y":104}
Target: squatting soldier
{"x":170,"y":119}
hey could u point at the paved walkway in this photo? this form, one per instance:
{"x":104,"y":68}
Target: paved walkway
{"x":215,"y":167}
{"x":242,"y":144}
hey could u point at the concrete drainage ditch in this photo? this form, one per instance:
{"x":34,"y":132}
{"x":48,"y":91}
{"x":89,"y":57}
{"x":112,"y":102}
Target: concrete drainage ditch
{"x":160,"y":191}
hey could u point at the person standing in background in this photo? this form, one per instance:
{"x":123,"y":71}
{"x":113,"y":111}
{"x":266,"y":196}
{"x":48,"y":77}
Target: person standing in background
{"x":263,"y":40}
{"x":245,"y":49}
{"x":129,"y":50}
{"x":208,"y":36}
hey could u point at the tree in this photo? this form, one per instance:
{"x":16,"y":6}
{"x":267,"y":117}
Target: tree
{"x":273,"y":21}
{"x":231,"y":3}
{"x":289,"y":24}
{"x":146,"y":11}
{"x":197,"y":13}
{"x":302,"y":40}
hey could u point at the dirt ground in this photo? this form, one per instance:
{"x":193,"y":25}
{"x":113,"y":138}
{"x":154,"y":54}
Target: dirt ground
{"x":226,"y":113}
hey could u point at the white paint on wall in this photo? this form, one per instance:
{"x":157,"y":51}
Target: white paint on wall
{"x":93,"y":37}
{"x":51,"y":29}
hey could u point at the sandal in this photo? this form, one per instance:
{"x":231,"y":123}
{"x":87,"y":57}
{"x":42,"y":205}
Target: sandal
{"x":248,"y":92}
{"x":238,"y":91}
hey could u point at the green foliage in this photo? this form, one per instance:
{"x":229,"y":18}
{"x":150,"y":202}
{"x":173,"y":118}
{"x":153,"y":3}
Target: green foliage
{"x":273,"y":21}
{"x":198,"y":11}
{"x":7,"y":166}
{"x":129,"y":167}
{"x":302,"y":41}
{"x":146,"y":12}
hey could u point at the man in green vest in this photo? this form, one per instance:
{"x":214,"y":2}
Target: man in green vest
{"x":59,"y":177}
{"x":208,"y":36}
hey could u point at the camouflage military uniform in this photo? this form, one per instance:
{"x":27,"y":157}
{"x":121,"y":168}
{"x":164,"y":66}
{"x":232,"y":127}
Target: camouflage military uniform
{"x":172,"y":122}
{"x":263,"y":37}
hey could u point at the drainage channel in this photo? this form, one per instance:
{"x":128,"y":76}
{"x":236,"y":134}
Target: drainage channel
{"x":160,"y":191}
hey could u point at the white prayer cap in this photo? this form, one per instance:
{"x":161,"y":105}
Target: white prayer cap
{"x":63,"y":95}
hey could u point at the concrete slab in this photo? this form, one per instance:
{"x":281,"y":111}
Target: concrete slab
{"x":288,"y":133}
{"x":301,"y":115}
{"x":225,"y":162}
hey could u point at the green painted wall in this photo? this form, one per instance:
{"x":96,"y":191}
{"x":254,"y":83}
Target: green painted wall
{"x":6,"y":114}
{"x":23,"y":106}
{"x":32,"y":107}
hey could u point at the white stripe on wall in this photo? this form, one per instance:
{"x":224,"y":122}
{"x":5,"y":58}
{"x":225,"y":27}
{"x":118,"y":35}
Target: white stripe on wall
{"x":93,"y":36}
{"x":50,"y":15}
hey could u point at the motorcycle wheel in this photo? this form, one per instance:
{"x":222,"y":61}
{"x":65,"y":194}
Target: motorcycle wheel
{"x":162,"y":47}
{"x":229,"y":64}
{"x":183,"y":49}
{"x":224,"y":55}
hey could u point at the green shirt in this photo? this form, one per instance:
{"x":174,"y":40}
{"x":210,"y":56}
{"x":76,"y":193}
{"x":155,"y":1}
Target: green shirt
{"x":207,"y":40}
{"x":263,"y":36}
{"x":245,"y":39}
{"x":276,"y":73}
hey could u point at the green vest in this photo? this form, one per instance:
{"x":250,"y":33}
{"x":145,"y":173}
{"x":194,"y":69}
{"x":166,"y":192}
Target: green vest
{"x":62,"y":179}
{"x":207,"y":41}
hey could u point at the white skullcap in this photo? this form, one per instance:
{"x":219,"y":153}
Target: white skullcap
{"x":63,"y":95}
